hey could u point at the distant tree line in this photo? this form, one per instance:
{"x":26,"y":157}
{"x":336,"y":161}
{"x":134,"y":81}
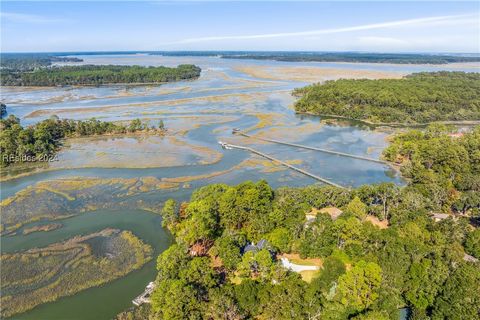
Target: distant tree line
{"x":417,"y":98}
{"x":97,"y":75}
{"x":40,"y":59}
{"x":31,"y":61}
{"x":41,"y":141}
{"x":397,"y":58}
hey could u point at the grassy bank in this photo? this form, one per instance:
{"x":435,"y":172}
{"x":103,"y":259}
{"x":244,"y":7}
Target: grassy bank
{"x":42,"y":275}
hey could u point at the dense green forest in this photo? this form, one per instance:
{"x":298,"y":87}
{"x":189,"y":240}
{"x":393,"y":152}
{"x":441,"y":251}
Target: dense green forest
{"x":367,"y":272}
{"x":397,"y":58}
{"x":441,"y":165}
{"x":41,"y":141}
{"x":417,"y":98}
{"x":97,"y":75}
{"x":31,"y":61}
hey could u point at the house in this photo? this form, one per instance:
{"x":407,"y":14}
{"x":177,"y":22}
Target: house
{"x":439,"y":216}
{"x":200,"y":248}
{"x":262,"y":244}
{"x":469,"y":258}
{"x":333,"y":212}
{"x":456,"y":134}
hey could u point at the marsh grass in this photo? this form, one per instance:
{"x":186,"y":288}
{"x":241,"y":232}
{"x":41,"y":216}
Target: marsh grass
{"x":42,"y":275}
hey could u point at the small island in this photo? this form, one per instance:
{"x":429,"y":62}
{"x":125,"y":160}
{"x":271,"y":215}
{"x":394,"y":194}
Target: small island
{"x":62,"y":269}
{"x":415,"y":99}
{"x":42,"y":227}
{"x":97,"y":75}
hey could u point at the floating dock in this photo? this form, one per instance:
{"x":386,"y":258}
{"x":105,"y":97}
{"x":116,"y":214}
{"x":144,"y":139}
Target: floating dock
{"x":145,"y":296}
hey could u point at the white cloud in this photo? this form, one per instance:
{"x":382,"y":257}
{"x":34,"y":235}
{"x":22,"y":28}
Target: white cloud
{"x":428,"y":21}
{"x":30,"y":18}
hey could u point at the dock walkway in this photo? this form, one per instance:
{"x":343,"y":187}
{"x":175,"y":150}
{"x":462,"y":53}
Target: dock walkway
{"x":236,"y":131}
{"x":232,"y":146}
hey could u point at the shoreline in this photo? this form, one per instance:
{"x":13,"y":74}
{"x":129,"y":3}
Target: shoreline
{"x":102,"y":84}
{"x":439,"y":65}
{"x":394,"y":124}
{"x":169,"y":102}
{"x":315,"y":73}
{"x":40,"y":170}
{"x":143,"y":255}
{"x":36,"y":166}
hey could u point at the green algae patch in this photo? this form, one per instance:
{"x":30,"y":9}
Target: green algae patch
{"x":42,"y":275}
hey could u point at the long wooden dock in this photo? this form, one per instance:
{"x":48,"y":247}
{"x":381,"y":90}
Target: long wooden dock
{"x":311,"y":175}
{"x":343,"y":154}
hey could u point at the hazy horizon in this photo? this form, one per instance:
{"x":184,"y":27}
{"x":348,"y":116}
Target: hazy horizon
{"x":313,"y":26}
{"x":106,"y":52}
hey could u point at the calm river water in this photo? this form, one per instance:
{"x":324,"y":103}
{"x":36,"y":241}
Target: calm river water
{"x":198,"y":114}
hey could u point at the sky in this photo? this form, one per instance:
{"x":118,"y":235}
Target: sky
{"x":376,"y":26}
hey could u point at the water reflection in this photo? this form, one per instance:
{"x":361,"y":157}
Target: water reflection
{"x":198,"y":113}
